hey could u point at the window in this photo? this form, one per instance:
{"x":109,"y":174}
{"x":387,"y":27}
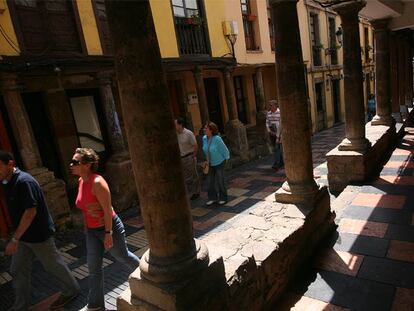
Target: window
{"x":185,"y":8}
{"x":248,"y":19}
{"x":190,"y":27}
{"x":315,"y":39}
{"x":47,"y":26}
{"x":87,"y":123}
{"x":240,"y":98}
{"x":270,"y":23}
{"x":332,"y":41}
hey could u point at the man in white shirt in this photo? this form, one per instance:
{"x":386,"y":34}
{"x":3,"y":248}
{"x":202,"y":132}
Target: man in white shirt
{"x":188,"y":151}
{"x":274,"y":129}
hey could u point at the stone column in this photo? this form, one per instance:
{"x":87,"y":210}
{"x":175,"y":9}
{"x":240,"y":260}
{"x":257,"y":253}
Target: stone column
{"x":300,"y":187}
{"x":401,"y":70}
{"x":118,"y":168}
{"x":201,"y":94}
{"x":113,"y":127}
{"x":382,"y":74}
{"x":54,"y":189}
{"x":353,"y":86}
{"x":175,"y":261}
{"x":396,"y":113}
{"x":234,"y":129}
{"x":408,"y":60}
{"x":261,"y":104}
{"x":20,"y":123}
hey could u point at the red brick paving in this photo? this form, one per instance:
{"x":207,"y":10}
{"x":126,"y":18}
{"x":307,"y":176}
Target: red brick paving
{"x":363,"y":227}
{"x":404,"y":300}
{"x":380,"y":200}
{"x":401,"y":250}
{"x":338,"y":261}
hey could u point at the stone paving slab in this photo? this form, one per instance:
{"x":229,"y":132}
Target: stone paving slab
{"x":251,"y":184}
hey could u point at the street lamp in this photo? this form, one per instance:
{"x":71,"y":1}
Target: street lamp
{"x":338,"y":35}
{"x":230,"y":31}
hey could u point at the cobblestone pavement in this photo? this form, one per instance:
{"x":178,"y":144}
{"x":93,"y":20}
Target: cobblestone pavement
{"x":247,"y":185}
{"x":368,"y":264}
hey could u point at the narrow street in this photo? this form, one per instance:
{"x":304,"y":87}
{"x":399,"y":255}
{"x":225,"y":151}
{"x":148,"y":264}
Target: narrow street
{"x":247,"y":185}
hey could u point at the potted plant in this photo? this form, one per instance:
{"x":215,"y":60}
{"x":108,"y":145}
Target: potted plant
{"x":195,"y":20}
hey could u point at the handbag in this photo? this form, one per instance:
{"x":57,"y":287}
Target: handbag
{"x":205,"y":165}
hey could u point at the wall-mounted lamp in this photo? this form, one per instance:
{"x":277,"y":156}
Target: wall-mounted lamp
{"x":338,"y":35}
{"x":230,"y":31}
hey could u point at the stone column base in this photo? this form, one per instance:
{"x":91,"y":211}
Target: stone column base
{"x":303,"y":194}
{"x":55,"y":194}
{"x":345,"y":167}
{"x":359,"y":145}
{"x":206,"y":290}
{"x":237,"y":139}
{"x":121,"y":181}
{"x":379,"y":120}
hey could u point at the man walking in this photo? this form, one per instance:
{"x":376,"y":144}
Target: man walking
{"x":32,"y":238}
{"x":188,"y":151}
{"x":274,"y":130}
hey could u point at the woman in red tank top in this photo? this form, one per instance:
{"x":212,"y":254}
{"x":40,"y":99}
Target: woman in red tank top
{"x":104,"y":229}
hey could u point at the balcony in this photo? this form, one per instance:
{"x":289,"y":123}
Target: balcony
{"x":191,"y":36}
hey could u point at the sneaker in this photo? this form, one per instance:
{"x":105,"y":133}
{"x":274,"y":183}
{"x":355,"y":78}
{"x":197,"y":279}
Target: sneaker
{"x":222,"y":202}
{"x":211,"y":202}
{"x":62,"y":301}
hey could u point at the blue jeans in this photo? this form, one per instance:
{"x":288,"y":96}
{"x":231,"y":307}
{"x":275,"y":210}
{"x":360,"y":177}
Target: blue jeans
{"x":21,"y":270}
{"x":216,"y":186}
{"x":95,"y":251}
{"x":278,"y":153}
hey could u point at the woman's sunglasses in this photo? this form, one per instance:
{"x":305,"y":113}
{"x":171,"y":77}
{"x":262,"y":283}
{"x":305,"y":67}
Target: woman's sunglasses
{"x":74,"y":162}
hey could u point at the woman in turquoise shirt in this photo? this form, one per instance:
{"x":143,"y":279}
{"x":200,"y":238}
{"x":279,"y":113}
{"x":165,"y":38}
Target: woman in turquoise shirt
{"x":217,"y":153}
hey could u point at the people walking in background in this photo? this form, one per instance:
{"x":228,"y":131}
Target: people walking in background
{"x":33,"y":236}
{"x":371,"y":107}
{"x":188,"y":151}
{"x":104,"y":229}
{"x":216,"y":154}
{"x":274,"y":130}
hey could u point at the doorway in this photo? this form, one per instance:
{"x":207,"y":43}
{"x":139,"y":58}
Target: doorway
{"x":45,"y":140}
{"x":213,"y":102}
{"x":336,"y":100}
{"x":320,"y":106}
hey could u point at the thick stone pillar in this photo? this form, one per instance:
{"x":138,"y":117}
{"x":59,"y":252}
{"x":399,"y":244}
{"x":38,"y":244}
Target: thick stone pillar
{"x":201,"y":94}
{"x":353,"y":86}
{"x":118,"y":168}
{"x":234,"y":129}
{"x":382,"y":74}
{"x":175,"y":261}
{"x":396,"y":113}
{"x":401,"y":71}
{"x":408,"y":69}
{"x":54,"y":189}
{"x":261,"y":104}
{"x":300,"y":187}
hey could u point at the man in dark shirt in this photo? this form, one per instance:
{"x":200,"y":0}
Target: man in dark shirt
{"x":33,"y":236}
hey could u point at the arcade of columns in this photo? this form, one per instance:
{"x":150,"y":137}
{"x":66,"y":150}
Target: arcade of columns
{"x":176,"y":273}
{"x":359,"y":155}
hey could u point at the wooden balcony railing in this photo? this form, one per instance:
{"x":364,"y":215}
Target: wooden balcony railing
{"x":191,"y":36}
